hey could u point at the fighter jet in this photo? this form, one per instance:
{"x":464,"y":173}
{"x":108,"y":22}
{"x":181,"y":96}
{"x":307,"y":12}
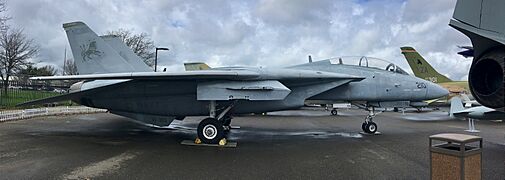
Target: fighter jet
{"x":110,"y":81}
{"x":482,"y":22}
{"x":480,"y":112}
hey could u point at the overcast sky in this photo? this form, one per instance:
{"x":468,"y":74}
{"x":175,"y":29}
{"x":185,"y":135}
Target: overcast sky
{"x":256,"y":33}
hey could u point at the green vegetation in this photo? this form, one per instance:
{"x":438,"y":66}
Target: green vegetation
{"x":17,"y":96}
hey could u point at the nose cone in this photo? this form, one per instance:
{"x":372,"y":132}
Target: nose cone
{"x":435,"y":91}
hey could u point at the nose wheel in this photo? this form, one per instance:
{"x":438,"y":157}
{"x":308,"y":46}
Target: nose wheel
{"x":334,"y":112}
{"x":369,"y":126}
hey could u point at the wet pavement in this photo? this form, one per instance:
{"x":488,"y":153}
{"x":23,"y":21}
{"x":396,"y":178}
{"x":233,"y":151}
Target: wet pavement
{"x":281,"y":145}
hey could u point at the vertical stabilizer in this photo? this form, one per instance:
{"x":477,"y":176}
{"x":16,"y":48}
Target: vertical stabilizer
{"x":196,"y":66}
{"x":92,"y":55}
{"x":126,"y":53}
{"x":421,"y":68}
{"x":456,"y":105}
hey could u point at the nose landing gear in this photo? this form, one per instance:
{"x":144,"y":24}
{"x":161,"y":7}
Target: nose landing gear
{"x":369,"y":126}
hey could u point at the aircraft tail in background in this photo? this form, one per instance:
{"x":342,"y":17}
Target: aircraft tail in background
{"x":196,"y":66}
{"x":456,"y":106}
{"x":94,"y":55}
{"x":421,"y":67}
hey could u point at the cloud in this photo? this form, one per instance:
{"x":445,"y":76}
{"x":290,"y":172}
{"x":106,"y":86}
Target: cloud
{"x":257,"y":33}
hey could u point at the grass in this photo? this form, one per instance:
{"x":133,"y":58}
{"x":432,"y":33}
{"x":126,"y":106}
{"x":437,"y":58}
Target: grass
{"x":17,"y":96}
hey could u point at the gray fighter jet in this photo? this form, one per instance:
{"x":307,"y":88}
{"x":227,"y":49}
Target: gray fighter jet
{"x":111,"y":81}
{"x":480,"y":112}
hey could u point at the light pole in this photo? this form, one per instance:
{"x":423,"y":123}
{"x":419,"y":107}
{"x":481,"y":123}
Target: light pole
{"x":156,"y":57}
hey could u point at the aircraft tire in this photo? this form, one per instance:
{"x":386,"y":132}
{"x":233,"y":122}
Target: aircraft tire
{"x":371,"y":128}
{"x":363,"y":127}
{"x":210,"y":131}
{"x":334,"y":112}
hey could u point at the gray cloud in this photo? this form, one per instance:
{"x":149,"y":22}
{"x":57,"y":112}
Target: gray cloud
{"x":257,"y":33}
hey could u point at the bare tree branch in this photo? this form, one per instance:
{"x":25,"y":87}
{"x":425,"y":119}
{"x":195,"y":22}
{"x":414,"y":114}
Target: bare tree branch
{"x":70,"y":68}
{"x":3,"y":17}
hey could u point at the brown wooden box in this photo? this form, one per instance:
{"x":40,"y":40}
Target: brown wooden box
{"x":454,"y":158}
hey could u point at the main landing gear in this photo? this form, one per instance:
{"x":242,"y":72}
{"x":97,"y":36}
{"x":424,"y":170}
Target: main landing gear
{"x":212,"y":130}
{"x":369,"y":126}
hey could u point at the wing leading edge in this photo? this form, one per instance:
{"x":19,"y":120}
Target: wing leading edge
{"x":208,"y":74}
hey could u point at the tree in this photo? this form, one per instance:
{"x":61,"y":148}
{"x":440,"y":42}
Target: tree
{"x":15,"y":50}
{"x":31,"y":71}
{"x":141,"y":44}
{"x":3,"y":18}
{"x":69,"y":67}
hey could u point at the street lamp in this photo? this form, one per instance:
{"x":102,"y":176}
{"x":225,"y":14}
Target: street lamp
{"x":156,"y":57}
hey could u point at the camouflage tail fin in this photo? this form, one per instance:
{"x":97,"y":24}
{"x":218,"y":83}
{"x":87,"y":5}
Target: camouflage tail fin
{"x":421,"y":67}
{"x":196,"y":66}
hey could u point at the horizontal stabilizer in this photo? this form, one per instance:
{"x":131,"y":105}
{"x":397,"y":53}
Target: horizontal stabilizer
{"x":60,"y":98}
{"x":74,"y":96}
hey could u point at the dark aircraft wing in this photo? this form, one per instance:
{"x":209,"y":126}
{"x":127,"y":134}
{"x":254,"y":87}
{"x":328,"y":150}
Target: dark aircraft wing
{"x":225,"y":84}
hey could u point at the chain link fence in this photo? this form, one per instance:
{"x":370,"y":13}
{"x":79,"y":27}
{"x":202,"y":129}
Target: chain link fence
{"x":18,"y":92}
{"x":9,"y":115}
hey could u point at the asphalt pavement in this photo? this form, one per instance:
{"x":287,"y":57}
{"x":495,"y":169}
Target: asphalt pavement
{"x":283,"y":145}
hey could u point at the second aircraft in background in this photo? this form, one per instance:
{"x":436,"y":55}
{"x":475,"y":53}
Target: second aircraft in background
{"x":423,"y":69}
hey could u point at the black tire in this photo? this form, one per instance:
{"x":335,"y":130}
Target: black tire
{"x":363,"y":127}
{"x":395,"y":109}
{"x":334,"y":112}
{"x":210,"y":131}
{"x":371,"y":128}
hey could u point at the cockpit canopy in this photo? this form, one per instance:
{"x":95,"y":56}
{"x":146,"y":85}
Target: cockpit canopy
{"x":369,"y":62}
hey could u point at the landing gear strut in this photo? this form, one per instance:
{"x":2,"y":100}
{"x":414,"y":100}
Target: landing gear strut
{"x":369,"y":126}
{"x":212,"y":130}
{"x":471,"y":126}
